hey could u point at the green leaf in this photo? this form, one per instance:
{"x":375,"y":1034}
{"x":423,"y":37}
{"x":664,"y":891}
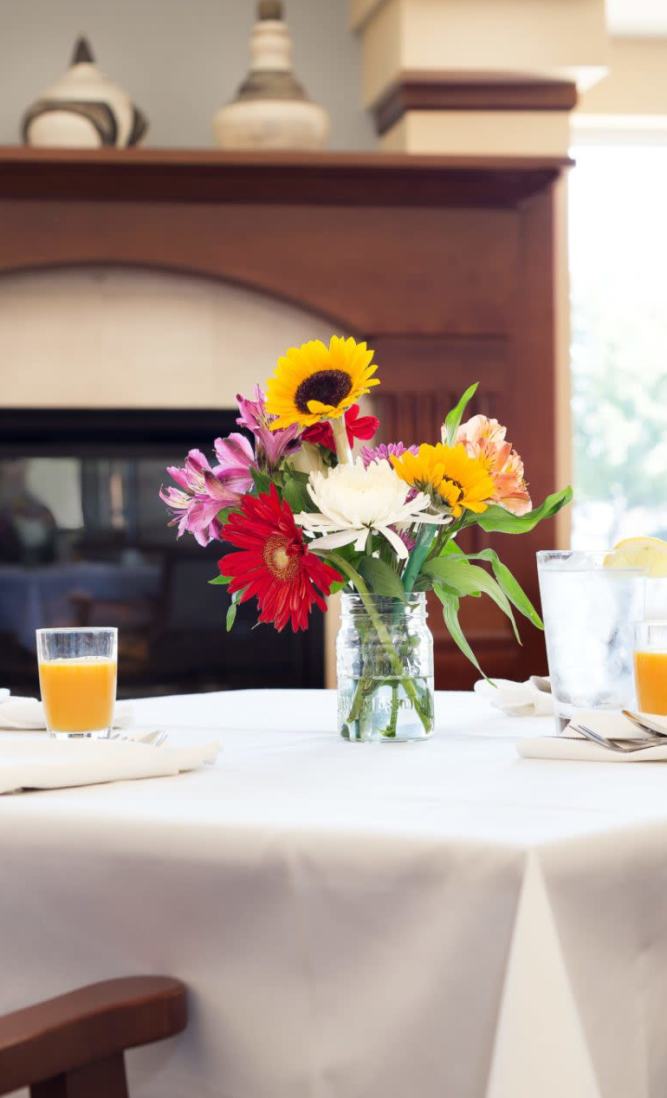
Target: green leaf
{"x":232,"y":608}
{"x":510,"y":586}
{"x":381,"y":578}
{"x":223,"y":516}
{"x":262,"y":481}
{"x":453,"y":418}
{"x":450,"y":613}
{"x":220,"y":579}
{"x":296,"y":493}
{"x":459,"y":576}
{"x":497,"y":520}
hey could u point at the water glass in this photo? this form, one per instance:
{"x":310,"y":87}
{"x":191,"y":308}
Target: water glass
{"x":650,"y":661}
{"x":590,"y":610}
{"x":77,"y":680}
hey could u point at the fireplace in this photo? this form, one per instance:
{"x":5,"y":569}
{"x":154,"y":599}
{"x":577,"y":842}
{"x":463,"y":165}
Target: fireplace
{"x":84,"y":541}
{"x":152,"y":278}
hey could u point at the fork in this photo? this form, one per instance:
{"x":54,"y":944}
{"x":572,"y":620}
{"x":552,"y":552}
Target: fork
{"x":650,"y":728}
{"x":614,"y":745}
{"x":153,"y":739}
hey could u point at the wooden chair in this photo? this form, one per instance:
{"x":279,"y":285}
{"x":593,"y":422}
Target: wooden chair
{"x":73,"y":1046}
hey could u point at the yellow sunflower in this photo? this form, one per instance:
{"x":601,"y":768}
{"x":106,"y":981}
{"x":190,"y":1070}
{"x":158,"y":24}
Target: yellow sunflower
{"x":461,"y":481}
{"x":313,"y":382}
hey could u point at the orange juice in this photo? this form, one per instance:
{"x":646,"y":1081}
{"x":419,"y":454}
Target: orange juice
{"x":78,"y":694}
{"x":651,"y":681}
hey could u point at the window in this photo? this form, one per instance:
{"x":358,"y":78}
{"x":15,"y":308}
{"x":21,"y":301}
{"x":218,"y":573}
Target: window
{"x":618,"y":265}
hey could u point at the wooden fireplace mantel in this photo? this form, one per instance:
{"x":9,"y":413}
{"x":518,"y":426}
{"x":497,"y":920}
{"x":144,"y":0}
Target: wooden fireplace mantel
{"x":447,"y":266}
{"x":338,"y":179}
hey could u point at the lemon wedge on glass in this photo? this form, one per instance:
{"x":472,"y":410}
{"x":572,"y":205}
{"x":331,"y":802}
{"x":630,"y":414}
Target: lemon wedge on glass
{"x":649,"y":554}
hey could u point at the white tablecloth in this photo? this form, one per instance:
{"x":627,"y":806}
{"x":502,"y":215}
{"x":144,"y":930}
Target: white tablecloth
{"x":441,"y":920}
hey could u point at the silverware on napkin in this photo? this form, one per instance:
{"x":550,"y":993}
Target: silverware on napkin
{"x":623,"y":747}
{"x":645,"y":723}
{"x":153,"y":739}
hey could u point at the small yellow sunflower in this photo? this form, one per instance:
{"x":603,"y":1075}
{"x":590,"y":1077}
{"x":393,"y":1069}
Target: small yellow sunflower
{"x":461,"y":481}
{"x":313,"y":382}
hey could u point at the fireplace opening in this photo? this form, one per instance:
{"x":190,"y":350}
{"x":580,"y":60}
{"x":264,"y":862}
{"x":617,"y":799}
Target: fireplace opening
{"x":84,"y":540}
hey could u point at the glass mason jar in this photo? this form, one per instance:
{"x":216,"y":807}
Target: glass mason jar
{"x":384,"y":659}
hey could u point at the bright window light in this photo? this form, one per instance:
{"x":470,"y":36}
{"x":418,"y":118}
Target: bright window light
{"x":618,"y":269}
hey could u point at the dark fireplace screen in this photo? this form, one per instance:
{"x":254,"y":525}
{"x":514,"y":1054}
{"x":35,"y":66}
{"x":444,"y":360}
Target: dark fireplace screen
{"x":84,"y":541}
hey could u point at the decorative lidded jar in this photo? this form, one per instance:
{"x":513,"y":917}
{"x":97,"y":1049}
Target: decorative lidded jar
{"x":271,"y":110}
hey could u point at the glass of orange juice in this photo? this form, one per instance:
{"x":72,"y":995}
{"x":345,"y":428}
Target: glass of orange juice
{"x":650,"y":659}
{"x":77,"y":680}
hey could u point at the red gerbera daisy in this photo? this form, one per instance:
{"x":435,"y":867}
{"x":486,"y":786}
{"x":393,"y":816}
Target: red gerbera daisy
{"x":275,"y":564}
{"x":364,"y":427}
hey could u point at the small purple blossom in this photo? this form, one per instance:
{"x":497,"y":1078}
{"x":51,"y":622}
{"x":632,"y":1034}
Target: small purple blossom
{"x":272,"y":446}
{"x":204,"y":491}
{"x":384,"y":452}
{"x":405,"y":536}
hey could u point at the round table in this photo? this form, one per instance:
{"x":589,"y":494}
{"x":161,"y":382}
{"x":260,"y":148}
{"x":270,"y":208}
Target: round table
{"x":440,"y":919}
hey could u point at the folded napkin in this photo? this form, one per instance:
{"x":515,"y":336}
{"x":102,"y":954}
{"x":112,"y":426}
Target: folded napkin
{"x":54,"y":764}
{"x":518,"y":699}
{"x":573,"y":746}
{"x":27,"y":714}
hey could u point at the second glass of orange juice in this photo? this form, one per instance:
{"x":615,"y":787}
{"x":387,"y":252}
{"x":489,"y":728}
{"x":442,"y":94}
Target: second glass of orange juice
{"x":650,"y":658}
{"x":77,"y":679}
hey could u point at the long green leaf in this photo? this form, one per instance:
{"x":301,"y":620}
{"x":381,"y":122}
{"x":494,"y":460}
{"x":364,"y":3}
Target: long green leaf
{"x":231,"y":610}
{"x":497,"y":520}
{"x":464,"y":578}
{"x":450,"y":613}
{"x":220,"y":579}
{"x":510,"y":586}
{"x":453,"y":418}
{"x":381,"y":578}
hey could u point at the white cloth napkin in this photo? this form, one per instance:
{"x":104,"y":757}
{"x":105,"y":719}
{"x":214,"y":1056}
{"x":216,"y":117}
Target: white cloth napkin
{"x":54,"y":764}
{"x":516,"y":699}
{"x":27,"y":714}
{"x":573,"y":746}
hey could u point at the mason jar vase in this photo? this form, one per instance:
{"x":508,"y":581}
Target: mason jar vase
{"x":384,"y":660}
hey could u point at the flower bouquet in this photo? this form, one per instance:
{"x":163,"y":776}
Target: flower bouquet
{"x":304,"y":519}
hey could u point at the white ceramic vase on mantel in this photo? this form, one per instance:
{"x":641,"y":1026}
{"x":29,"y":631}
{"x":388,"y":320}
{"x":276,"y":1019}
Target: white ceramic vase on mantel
{"x":83,"y":110}
{"x":271,"y":109}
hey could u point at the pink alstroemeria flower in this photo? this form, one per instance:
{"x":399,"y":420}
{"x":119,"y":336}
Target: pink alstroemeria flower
{"x":204,"y":491}
{"x":272,"y":446}
{"x":485,"y":438}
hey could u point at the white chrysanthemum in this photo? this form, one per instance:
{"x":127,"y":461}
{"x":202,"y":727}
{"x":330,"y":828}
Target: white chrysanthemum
{"x":353,"y":501}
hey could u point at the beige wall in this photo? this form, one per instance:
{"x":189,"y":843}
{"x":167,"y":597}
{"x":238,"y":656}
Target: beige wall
{"x":180,"y":59}
{"x":636,"y":83}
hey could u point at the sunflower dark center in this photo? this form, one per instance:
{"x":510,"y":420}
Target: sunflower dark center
{"x":327,"y":386}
